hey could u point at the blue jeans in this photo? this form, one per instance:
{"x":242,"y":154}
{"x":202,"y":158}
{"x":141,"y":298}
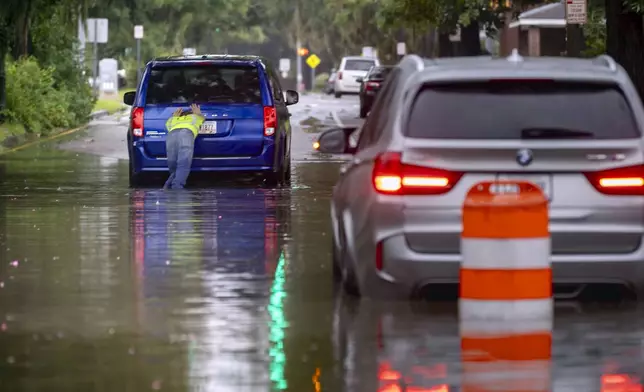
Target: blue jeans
{"x":179,"y":146}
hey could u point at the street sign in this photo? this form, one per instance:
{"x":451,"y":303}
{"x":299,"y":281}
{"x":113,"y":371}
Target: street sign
{"x":284,"y":74}
{"x":367,"y":51}
{"x":285,"y":65}
{"x":97,"y":30}
{"x":138,"y":32}
{"x":313,"y":61}
{"x":401,"y":48}
{"x":108,"y":75}
{"x":576,"y":11}
{"x":189,"y":51}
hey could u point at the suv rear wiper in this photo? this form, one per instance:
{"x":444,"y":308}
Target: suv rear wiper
{"x":554,"y":133}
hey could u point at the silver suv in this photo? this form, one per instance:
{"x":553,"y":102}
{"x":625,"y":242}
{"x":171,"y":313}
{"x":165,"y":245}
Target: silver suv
{"x":438,"y":127}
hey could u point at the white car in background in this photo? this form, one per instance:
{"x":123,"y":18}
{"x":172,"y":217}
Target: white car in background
{"x":351,"y":69}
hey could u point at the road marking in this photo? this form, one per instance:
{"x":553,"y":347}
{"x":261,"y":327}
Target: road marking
{"x":336,"y":118}
{"x":56,"y":136}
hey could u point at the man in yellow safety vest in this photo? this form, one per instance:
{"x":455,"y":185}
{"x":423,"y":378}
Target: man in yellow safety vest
{"x":183,"y":128}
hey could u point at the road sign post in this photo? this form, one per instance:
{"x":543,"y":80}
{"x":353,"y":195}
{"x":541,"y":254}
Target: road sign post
{"x":313,"y":61}
{"x":138,"y":36}
{"x":96,"y":34}
{"x":401,"y":49}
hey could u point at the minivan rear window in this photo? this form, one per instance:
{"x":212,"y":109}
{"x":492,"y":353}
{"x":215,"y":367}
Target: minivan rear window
{"x":358,"y":65}
{"x":209,"y":83}
{"x":507,"y":109}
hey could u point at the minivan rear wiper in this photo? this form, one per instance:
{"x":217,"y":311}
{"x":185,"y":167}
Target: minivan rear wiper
{"x":554,"y":133}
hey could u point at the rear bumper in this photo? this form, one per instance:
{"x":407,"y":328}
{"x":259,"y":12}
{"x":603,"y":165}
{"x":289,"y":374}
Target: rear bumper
{"x":142,"y":162}
{"x":347,"y":88}
{"x":411,"y":270}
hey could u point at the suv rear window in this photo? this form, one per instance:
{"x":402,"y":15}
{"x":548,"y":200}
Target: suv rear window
{"x":203,"y":84}
{"x":358,"y":65}
{"x":379,"y":73}
{"x":505,"y":109}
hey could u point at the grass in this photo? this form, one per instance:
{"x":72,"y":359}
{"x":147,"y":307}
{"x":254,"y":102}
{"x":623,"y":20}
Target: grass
{"x":112,"y":103}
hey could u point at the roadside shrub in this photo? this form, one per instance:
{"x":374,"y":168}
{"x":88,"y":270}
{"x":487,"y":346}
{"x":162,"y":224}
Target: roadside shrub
{"x":320,"y":80}
{"x":32,"y":99}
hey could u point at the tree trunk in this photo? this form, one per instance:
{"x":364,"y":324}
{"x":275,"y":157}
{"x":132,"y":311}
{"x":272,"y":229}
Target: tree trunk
{"x":625,"y":41}
{"x":3,"y":74}
{"x":470,"y":40}
{"x":445,"y":47}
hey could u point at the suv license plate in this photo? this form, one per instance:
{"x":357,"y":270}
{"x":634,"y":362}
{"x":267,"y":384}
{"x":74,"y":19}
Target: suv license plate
{"x":543,"y":181}
{"x":208,"y":128}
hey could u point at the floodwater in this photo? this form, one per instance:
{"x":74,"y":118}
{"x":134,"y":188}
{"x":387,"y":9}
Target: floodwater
{"x":103,"y":288}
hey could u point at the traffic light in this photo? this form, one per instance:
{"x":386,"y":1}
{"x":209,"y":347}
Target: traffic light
{"x":302,"y":51}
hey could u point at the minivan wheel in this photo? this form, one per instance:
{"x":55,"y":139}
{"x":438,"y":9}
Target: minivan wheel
{"x":274,"y":179}
{"x":135,"y":179}
{"x":338,"y":94}
{"x":287,"y":175}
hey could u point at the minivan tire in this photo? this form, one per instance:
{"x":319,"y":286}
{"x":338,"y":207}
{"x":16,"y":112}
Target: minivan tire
{"x":135,"y":179}
{"x":363,"y":112}
{"x":274,"y":179}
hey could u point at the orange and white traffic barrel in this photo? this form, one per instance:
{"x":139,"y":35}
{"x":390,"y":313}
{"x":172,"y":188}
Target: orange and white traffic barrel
{"x":506,"y":356}
{"x":505,"y":249}
{"x":505,"y":304}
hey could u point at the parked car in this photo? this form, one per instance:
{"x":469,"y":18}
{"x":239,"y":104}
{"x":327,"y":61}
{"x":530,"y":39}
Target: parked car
{"x":369,"y":87}
{"x":247,"y":127}
{"x":351,"y":69}
{"x":328,"y":88}
{"x":574,"y":127}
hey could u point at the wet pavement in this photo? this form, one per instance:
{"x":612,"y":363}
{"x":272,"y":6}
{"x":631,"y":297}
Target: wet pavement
{"x":228,"y":288}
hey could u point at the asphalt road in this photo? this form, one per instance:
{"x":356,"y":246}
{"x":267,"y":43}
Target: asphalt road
{"x":229,"y":288}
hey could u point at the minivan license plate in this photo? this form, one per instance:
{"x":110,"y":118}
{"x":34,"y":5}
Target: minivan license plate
{"x":209,"y":127}
{"x":543,"y":181}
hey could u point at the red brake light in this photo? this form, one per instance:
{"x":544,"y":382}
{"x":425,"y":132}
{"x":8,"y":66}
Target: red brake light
{"x":339,"y":75}
{"x":270,"y":121}
{"x":392,"y":177}
{"x":623,"y":181}
{"x":137,"y":122}
{"x":372,"y":85}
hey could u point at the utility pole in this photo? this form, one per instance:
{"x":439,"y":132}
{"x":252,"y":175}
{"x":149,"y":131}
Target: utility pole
{"x":298,"y":45}
{"x":138,"y":36}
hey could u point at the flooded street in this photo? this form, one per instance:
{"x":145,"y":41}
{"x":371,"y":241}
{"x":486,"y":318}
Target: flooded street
{"x":229,"y":288}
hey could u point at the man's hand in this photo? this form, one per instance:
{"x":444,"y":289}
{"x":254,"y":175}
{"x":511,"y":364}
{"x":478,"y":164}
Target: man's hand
{"x":177,"y":113}
{"x":196,"y":109}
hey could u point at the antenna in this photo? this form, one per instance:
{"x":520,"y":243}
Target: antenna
{"x":607,"y":61}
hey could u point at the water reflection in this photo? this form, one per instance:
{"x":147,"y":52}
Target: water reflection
{"x":398,"y":347}
{"x":227,"y":246}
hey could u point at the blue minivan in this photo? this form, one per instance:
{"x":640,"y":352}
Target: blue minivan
{"x":247,"y":127}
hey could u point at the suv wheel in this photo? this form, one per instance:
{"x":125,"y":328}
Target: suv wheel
{"x":363,"y":112}
{"x":135,"y":179}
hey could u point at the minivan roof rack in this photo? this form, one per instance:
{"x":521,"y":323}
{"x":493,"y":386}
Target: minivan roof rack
{"x":606,"y":61}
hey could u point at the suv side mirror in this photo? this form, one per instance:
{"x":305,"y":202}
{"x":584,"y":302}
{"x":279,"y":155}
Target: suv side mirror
{"x":336,"y":141}
{"x":292,"y":97}
{"x":128,"y":98}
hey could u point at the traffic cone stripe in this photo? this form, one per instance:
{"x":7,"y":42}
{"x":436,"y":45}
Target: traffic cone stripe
{"x":516,"y":284}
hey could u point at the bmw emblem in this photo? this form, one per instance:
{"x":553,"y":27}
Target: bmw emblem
{"x":524,"y":157}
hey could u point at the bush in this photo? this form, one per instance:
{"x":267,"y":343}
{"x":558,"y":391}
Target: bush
{"x":320,"y":80}
{"x":31,"y":98}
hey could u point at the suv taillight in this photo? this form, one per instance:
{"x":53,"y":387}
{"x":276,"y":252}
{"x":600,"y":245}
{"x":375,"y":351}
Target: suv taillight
{"x":392,"y":177}
{"x":622,"y":181}
{"x":136,"y":122}
{"x":270,"y":120}
{"x":339,"y":75}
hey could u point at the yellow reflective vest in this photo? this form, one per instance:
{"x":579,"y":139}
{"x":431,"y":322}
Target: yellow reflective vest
{"x":189,"y":121}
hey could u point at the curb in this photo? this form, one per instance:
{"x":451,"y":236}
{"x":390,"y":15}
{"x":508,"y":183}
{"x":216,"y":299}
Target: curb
{"x":98,"y":114}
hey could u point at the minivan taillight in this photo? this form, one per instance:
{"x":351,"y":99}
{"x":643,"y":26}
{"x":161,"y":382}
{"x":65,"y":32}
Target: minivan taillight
{"x":137,"y":122}
{"x":622,"y":181}
{"x":392,"y":177}
{"x":270,"y":120}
